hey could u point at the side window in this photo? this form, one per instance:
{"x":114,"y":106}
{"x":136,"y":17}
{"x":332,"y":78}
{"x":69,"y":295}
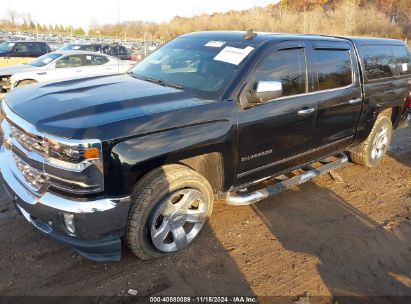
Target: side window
{"x":20,"y":48}
{"x":123,"y":51}
{"x":403,"y":59}
{"x":43,"y":47}
{"x":379,"y":61}
{"x":33,"y":48}
{"x":88,"y":48}
{"x":286,"y":66}
{"x":97,"y":48}
{"x":69,"y":62}
{"x":95,"y":60}
{"x":115,"y":50}
{"x":333,"y":68}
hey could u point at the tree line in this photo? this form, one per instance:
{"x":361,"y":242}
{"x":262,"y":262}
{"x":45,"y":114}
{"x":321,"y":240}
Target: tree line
{"x":383,"y":18}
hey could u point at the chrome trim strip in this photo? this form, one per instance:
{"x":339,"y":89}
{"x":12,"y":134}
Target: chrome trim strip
{"x":293,"y":157}
{"x":8,"y":159}
{"x":17,"y":120}
{"x":355,"y":101}
{"x":315,"y":92}
{"x":29,"y":128}
{"x":5,"y":126}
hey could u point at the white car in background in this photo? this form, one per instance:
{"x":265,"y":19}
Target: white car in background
{"x":63,"y":65}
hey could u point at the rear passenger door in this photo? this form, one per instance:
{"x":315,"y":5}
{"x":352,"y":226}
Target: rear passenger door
{"x":34,"y":49}
{"x":338,"y":94}
{"x":97,"y":65}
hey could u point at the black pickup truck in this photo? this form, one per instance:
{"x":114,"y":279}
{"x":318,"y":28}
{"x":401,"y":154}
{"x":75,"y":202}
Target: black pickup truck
{"x":237,"y":116}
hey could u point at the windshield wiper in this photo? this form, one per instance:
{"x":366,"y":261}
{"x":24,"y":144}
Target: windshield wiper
{"x":163,"y":83}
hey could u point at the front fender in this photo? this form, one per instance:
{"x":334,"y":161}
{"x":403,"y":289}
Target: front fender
{"x":131,"y":159}
{"x":16,"y":78}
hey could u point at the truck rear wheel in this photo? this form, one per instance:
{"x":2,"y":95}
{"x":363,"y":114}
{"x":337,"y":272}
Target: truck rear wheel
{"x":372,"y":150}
{"x":169,"y":208}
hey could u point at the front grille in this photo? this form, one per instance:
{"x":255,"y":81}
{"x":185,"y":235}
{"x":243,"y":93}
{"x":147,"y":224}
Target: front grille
{"x":28,"y":141}
{"x":33,"y":177}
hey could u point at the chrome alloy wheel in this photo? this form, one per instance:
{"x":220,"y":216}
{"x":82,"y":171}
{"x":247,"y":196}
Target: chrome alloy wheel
{"x":178,"y":219}
{"x":380,"y":143}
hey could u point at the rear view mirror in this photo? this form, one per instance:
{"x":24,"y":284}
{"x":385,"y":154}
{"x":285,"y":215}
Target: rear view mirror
{"x":268,"y":90}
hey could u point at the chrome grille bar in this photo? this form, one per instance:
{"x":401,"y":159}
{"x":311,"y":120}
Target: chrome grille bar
{"x":30,"y":142}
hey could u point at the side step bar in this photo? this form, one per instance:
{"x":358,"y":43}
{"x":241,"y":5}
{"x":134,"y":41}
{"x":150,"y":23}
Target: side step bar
{"x":244,"y":197}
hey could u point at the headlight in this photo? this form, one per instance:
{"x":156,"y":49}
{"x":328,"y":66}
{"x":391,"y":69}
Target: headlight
{"x":74,"y":154}
{"x":75,"y":166}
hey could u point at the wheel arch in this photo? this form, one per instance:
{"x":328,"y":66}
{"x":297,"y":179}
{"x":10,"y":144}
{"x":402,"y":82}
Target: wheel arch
{"x":25,"y":79}
{"x":207,"y":149}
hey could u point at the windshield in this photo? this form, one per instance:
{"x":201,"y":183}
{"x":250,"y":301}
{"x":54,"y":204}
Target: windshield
{"x":201,"y":67}
{"x":45,"y":59}
{"x":6,"y":46}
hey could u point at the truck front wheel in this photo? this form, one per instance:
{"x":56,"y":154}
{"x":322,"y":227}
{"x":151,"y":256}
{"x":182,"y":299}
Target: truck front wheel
{"x":169,"y":208}
{"x":375,"y":146}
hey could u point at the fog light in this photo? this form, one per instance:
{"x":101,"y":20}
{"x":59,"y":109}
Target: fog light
{"x":69,"y":223}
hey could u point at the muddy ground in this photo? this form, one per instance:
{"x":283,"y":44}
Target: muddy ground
{"x":323,"y":238}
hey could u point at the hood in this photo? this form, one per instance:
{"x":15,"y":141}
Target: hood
{"x":71,"y":107}
{"x":19,"y":68}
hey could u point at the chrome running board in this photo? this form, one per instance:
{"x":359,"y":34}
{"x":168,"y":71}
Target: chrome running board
{"x":244,"y":197}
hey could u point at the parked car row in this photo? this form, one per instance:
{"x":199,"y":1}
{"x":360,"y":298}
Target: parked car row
{"x":115,"y":50}
{"x":134,"y":48}
{"x":61,"y":65}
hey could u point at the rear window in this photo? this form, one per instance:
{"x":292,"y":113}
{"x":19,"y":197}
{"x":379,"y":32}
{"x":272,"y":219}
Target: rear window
{"x":403,"y":59}
{"x":333,"y":68}
{"x":379,"y":61}
{"x":119,"y":50}
{"x":43,"y":47}
{"x":33,"y":47}
{"x":95,"y":60}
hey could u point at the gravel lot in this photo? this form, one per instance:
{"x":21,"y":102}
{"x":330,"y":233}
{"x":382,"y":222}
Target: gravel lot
{"x":323,"y":238}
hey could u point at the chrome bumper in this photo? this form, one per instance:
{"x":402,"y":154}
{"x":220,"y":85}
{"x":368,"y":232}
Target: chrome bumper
{"x":97,"y":221}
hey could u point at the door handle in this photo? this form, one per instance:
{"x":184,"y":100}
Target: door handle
{"x":306,"y":111}
{"x":355,"y":101}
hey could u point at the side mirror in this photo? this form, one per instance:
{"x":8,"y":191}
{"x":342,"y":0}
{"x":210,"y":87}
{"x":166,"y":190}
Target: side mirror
{"x":260,"y":92}
{"x":268,"y":90}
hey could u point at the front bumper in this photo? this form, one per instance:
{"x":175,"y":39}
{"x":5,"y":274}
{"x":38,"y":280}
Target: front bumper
{"x":99,"y":223}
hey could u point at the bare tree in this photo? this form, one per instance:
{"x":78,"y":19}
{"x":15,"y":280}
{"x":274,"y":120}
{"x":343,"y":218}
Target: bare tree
{"x":11,"y":14}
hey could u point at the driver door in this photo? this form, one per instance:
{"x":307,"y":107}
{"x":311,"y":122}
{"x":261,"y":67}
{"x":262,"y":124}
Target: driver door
{"x":276,"y":134}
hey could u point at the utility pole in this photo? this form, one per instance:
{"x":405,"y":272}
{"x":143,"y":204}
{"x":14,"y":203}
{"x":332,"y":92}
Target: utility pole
{"x":37,"y":31}
{"x":145,"y":44}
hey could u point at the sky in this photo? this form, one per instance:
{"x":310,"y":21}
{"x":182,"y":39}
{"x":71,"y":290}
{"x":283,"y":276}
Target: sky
{"x":82,"y":12}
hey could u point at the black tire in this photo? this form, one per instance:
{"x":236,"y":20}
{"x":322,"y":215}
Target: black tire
{"x":366,"y":156}
{"x":25,"y":82}
{"x":149,"y":194}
